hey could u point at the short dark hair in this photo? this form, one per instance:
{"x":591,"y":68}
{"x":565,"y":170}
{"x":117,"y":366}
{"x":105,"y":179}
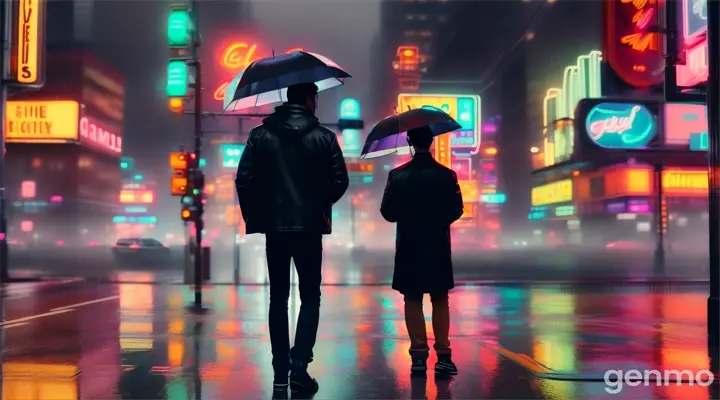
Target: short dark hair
{"x":421,"y":137}
{"x":297,"y":94}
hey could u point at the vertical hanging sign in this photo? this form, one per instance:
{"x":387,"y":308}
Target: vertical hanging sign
{"x":632,"y":42}
{"x":28,"y":65}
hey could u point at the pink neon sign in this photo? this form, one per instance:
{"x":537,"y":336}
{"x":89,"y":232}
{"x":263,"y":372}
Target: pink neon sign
{"x":694,"y":44}
{"x":100,"y":135}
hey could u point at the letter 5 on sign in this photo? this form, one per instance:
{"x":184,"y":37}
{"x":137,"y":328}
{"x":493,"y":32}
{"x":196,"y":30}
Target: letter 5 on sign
{"x":556,"y":192}
{"x":30,"y":38}
{"x":42,"y":121}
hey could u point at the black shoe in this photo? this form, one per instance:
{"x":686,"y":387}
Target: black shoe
{"x":301,"y":381}
{"x":419,"y":366}
{"x":445,"y":366}
{"x":280,"y":383}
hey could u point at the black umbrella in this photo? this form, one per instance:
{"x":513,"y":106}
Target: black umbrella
{"x":266,"y":80}
{"x":389,"y":134}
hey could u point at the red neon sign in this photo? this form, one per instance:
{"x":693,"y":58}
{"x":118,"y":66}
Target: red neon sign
{"x":237,"y":57}
{"x":632,"y":48}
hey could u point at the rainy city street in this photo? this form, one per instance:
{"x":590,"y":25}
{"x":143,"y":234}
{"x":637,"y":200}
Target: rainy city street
{"x":132,"y":341}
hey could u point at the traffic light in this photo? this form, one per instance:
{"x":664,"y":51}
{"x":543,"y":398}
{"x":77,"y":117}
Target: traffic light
{"x":350,"y":124}
{"x":176,"y":105}
{"x":180,"y":29}
{"x":187,"y":213}
{"x":179,"y":163}
{"x":177,"y":78}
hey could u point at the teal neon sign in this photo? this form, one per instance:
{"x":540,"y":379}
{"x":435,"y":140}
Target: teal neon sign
{"x":620,"y":125}
{"x":349,"y":109}
{"x":230,"y":154}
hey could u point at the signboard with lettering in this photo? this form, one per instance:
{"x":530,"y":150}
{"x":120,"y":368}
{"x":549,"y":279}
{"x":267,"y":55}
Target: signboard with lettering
{"x":552,"y":193}
{"x":98,"y":134}
{"x":620,"y":125}
{"x":29,"y":54}
{"x":466,"y":110}
{"x":686,"y":124}
{"x":685,"y":183}
{"x":633,"y":45}
{"x":42,"y":121}
{"x":469,"y":190}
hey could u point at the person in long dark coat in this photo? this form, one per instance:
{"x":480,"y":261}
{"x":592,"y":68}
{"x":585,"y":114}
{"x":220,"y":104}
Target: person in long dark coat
{"x":424,"y":198}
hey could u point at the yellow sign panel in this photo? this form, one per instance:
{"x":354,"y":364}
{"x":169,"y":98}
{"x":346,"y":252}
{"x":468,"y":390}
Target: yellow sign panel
{"x":441,"y":150}
{"x":41,"y":121}
{"x":556,"y":192}
{"x":469,"y":190}
{"x":468,"y":211}
{"x":28,"y":23}
{"x":685,"y":183}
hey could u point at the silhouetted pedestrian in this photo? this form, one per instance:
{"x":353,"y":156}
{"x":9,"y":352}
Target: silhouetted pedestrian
{"x":424,"y":198}
{"x":291,"y":172}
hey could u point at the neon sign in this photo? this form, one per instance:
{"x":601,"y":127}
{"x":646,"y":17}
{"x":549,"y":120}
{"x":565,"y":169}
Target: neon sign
{"x":678,"y":182}
{"x":620,"y":125}
{"x":632,"y":47}
{"x":694,"y":44}
{"x":100,"y":135}
{"x":551,"y":193}
{"x":236,"y":58}
{"x":465,"y":110}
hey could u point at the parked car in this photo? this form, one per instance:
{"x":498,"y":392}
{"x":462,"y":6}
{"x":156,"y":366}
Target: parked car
{"x":140,"y":249}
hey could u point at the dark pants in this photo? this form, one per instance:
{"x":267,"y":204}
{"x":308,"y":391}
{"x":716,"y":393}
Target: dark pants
{"x":306,"y":250}
{"x":415,"y":322}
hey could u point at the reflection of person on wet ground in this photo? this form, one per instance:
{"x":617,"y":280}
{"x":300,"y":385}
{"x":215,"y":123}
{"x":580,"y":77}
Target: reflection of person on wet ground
{"x":424,"y":198}
{"x":291,"y":172}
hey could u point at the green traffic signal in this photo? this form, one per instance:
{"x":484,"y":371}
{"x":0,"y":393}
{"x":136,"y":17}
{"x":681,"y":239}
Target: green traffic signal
{"x":196,"y":192}
{"x":179,"y":31}
{"x":177,"y":79}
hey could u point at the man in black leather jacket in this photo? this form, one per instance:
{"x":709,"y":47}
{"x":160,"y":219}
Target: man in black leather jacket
{"x":291,"y":172}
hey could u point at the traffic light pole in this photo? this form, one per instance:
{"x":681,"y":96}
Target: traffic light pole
{"x":198,"y":194}
{"x":5,"y":10}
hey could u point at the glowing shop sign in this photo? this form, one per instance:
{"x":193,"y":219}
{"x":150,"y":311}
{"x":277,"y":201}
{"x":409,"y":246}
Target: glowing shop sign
{"x":128,"y":196}
{"x":42,"y":121}
{"x":29,"y":47}
{"x":140,"y":220}
{"x":685,"y":183}
{"x":633,"y":42}
{"x":101,"y":135}
{"x":469,"y":190}
{"x":236,"y":58}
{"x":466,"y":110}
{"x":694,"y":43}
{"x":620,"y":125}
{"x":565,"y":211}
{"x":686,"y":124}
{"x":552,"y":193}
{"x":230,"y":154}
{"x":493,"y":198}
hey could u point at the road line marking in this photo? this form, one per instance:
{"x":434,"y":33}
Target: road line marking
{"x":85,"y":303}
{"x":32,"y":317}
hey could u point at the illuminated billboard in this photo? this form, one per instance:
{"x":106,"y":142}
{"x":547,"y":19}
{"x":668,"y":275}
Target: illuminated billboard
{"x":685,"y":183}
{"x":579,"y":81}
{"x":552,"y":193}
{"x":686,"y":124}
{"x":30,"y":57}
{"x":99,"y":134}
{"x":620,"y":125}
{"x":42,"y":121}
{"x":633,"y":44}
{"x":466,"y":110}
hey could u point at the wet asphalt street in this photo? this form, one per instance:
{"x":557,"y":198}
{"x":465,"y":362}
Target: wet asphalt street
{"x":74,"y":339}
